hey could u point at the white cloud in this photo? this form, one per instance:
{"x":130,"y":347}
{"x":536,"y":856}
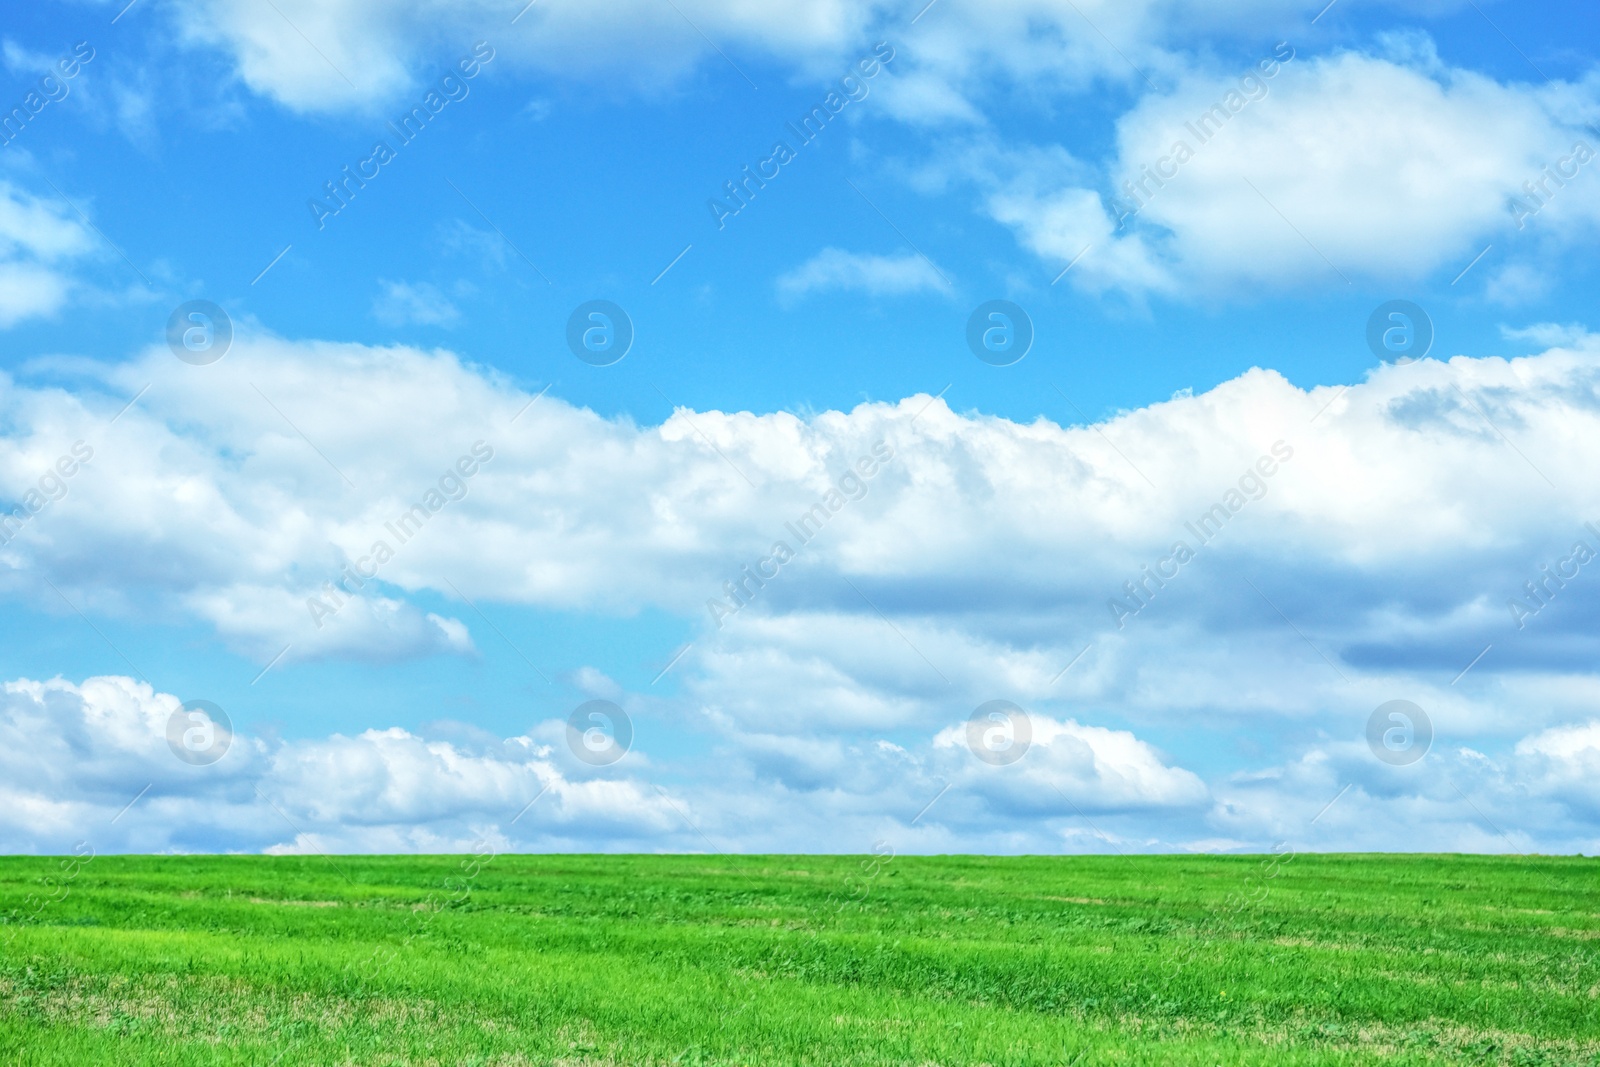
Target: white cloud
{"x":327,"y":55}
{"x":1385,"y":166}
{"x":90,"y":764}
{"x":835,"y":269}
{"x":1394,"y":529}
{"x":75,"y":756}
{"x":38,"y":238}
{"x":205,"y":498}
{"x":1550,"y":335}
{"x":1347,"y":164}
{"x":1564,"y":762}
{"x":419,"y":303}
{"x":1071,"y":767}
{"x":310,"y":56}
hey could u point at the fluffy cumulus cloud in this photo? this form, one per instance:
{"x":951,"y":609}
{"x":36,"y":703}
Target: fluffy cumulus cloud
{"x":1318,"y":169}
{"x":1198,"y":603}
{"x":1566,"y":764}
{"x":1091,"y":768}
{"x":287,"y":468}
{"x":101,"y":763}
{"x":312,"y":55}
{"x":329,"y":55}
{"x":93,"y":762}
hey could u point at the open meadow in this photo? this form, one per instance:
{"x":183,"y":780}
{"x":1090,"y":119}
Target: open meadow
{"x":831,"y":961}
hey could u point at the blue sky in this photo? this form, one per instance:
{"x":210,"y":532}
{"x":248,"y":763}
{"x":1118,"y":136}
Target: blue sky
{"x":1385,"y":159}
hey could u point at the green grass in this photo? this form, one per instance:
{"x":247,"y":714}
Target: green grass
{"x":829,"y":961}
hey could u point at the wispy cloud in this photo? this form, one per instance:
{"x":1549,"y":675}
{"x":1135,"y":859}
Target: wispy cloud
{"x":835,"y":269}
{"x":413,"y":303}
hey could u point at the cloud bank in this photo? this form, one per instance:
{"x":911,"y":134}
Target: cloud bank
{"x":1342,"y":547}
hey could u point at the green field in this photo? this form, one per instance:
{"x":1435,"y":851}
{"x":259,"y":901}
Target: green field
{"x":816,"y":960}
